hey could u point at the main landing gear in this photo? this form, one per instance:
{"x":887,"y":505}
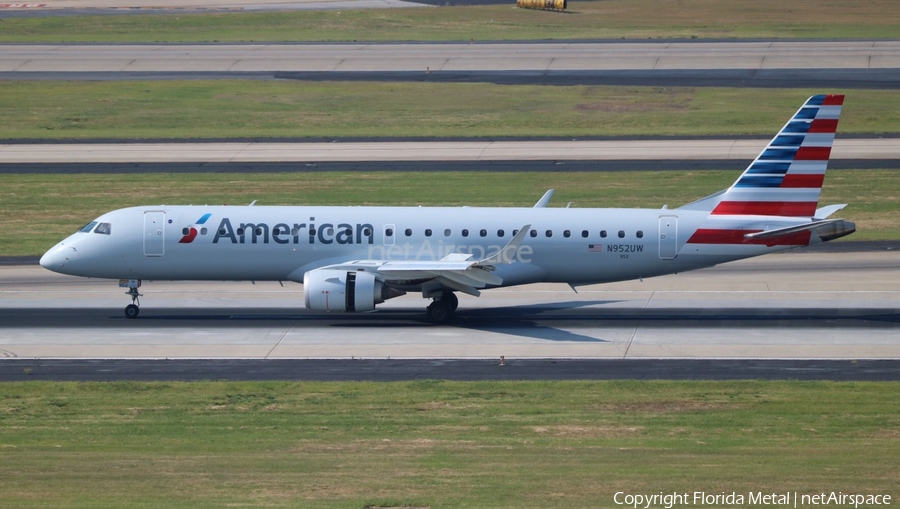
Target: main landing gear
{"x":132,"y":310}
{"x":443,"y":307}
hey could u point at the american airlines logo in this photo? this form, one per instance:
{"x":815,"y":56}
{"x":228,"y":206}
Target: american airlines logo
{"x":191,"y":233}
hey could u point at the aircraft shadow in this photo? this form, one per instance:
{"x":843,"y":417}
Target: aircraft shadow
{"x":510,"y":319}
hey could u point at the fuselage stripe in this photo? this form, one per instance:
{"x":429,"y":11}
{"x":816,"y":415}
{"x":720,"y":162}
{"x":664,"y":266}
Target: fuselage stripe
{"x":710,"y":236}
{"x":766,"y":208}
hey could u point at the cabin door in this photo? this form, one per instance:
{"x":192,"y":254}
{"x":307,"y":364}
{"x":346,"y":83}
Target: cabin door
{"x":668,"y":237}
{"x":154,"y":232}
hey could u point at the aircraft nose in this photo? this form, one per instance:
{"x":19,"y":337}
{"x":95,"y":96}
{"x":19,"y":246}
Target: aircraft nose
{"x":57,"y":257}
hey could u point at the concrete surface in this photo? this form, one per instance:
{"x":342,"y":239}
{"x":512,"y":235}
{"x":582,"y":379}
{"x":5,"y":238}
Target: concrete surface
{"x":437,"y":57}
{"x":238,"y":152}
{"x":794,"y":305}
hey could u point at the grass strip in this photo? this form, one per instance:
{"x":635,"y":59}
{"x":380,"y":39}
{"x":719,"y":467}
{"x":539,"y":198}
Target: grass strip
{"x":274,"y":109}
{"x":607,"y":19}
{"x":438,"y":444}
{"x":37,"y":211}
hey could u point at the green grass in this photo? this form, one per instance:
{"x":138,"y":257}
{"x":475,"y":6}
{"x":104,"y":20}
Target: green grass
{"x":37,"y":211}
{"x":271,"y":109}
{"x":612,"y":19}
{"x":438,"y":444}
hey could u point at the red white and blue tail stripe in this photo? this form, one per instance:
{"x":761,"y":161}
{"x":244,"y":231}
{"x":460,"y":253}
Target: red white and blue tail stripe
{"x":782,"y":185}
{"x":786,"y":178}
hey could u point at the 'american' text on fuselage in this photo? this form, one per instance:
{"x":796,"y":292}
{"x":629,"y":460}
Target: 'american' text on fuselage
{"x":282,"y":233}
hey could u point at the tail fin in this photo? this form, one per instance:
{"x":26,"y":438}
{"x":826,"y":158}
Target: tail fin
{"x":774,"y":201}
{"x":786,"y":178}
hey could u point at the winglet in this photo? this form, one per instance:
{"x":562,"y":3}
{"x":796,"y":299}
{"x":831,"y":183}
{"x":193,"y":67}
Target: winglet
{"x":545,"y":199}
{"x":508,"y":253}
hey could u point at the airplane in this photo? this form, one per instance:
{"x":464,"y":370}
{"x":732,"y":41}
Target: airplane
{"x":350,"y":259}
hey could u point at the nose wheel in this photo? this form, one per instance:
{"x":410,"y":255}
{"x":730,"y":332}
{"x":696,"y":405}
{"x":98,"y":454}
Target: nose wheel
{"x":132,"y":310}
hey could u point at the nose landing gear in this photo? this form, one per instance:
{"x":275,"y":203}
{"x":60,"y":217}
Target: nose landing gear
{"x":132,"y":310}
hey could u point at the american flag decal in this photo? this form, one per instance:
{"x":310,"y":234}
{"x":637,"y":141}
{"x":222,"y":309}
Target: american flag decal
{"x":595,"y":248}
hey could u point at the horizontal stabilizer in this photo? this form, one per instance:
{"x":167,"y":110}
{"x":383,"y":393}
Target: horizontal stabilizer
{"x":790,"y":229}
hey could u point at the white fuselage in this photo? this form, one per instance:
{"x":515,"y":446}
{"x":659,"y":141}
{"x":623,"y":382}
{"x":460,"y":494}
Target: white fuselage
{"x":578,"y":246}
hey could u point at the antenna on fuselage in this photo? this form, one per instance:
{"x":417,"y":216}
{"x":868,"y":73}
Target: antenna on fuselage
{"x":252,"y":203}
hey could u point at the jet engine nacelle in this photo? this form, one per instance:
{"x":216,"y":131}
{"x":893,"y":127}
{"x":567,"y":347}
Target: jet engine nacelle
{"x":341,"y":290}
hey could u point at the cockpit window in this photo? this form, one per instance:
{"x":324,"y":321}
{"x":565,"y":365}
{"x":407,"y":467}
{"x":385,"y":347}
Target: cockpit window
{"x":88,"y":227}
{"x":103,"y":229}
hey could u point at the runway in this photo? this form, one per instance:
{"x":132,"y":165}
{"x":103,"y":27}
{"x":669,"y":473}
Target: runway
{"x":760,"y":64}
{"x":783,"y":306}
{"x":660,"y":149}
{"x":449,"y":57}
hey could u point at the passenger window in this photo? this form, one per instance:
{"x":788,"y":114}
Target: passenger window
{"x":389,"y":232}
{"x":204,"y":231}
{"x":602,"y":234}
{"x":447,"y":232}
{"x":640,"y":234}
{"x":294,"y":231}
{"x":312,"y":232}
{"x":500,"y":233}
{"x":223,"y":231}
{"x":567,"y":234}
{"x":465,"y":233}
{"x":275,"y":231}
{"x":240,"y":231}
{"x":428,"y":232}
{"x":330,"y":232}
{"x":103,"y":229}
{"x":584,"y":234}
{"x":88,"y":227}
{"x":621,"y":234}
{"x":408,"y":232}
{"x":367,"y":231}
{"x":259,"y":231}
{"x":533,"y":233}
{"x":483,"y":233}
{"x":548,"y":233}
{"x":185,"y":231}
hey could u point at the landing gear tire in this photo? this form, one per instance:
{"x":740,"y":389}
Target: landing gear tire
{"x":438,"y":312}
{"x":450,"y":300}
{"x":132,"y":311}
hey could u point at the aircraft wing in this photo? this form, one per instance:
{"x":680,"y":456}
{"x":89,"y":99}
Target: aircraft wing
{"x":456,"y":271}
